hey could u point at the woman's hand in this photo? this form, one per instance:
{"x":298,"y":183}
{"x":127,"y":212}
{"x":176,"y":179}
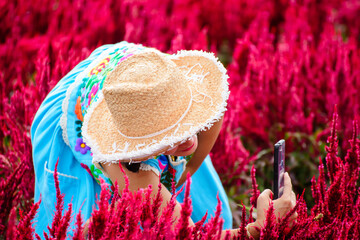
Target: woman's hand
{"x":282,"y":206}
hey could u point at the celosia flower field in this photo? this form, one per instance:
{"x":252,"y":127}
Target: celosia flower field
{"x":290,"y":63}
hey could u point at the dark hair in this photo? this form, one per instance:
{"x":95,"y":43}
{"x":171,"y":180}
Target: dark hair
{"x":133,"y":167}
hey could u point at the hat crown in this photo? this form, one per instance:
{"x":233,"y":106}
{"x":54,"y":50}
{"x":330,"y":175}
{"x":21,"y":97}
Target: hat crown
{"x":146,"y":94}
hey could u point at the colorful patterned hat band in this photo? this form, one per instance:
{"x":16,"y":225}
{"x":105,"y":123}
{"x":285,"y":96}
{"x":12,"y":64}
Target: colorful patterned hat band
{"x":137,"y":102}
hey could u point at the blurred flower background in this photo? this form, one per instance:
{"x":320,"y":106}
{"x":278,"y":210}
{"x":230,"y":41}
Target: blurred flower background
{"x":290,"y":62}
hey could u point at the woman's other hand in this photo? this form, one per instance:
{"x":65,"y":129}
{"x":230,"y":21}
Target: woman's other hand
{"x":282,"y":206}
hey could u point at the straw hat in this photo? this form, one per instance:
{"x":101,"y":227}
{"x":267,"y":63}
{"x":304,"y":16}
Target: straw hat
{"x":152,"y":101}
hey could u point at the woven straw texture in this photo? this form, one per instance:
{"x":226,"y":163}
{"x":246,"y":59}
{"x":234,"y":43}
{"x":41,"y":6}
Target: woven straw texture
{"x":152,"y":101}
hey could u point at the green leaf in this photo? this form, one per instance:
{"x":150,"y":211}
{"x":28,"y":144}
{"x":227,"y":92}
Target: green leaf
{"x":7,"y":140}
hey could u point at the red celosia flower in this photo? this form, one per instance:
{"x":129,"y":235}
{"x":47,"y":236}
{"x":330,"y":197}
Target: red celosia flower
{"x":269,"y":231}
{"x":24,"y":229}
{"x":99,"y":216}
{"x":8,"y":195}
{"x":214,"y":226}
{"x":59,"y":204}
{"x":183,"y":230}
{"x":78,"y":233}
{"x":332,"y":160}
{"x":242,"y":233}
{"x":255,"y":191}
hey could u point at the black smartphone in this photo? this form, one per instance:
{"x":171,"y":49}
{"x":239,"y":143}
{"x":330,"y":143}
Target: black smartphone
{"x":279,"y":168}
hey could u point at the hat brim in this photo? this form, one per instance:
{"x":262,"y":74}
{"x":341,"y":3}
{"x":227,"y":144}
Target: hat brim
{"x":210,"y":91}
